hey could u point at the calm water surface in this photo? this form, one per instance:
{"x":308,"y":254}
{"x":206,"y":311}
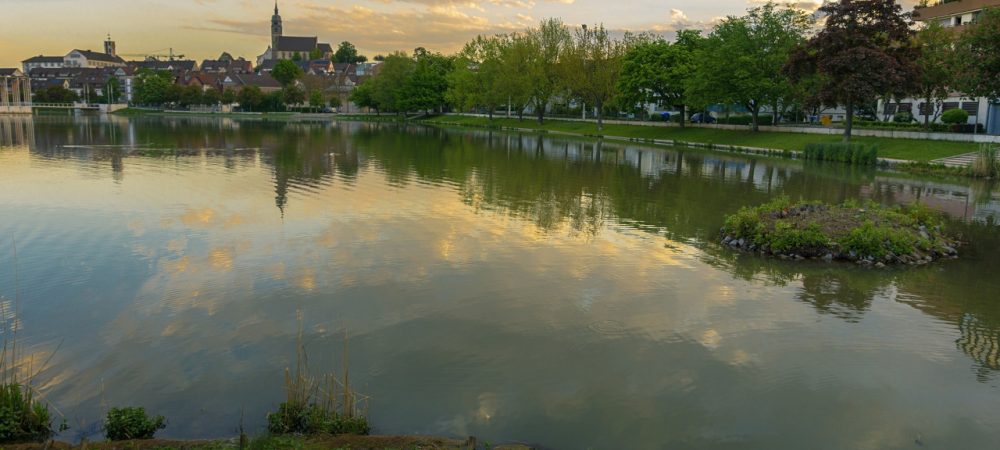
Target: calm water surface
{"x":561,"y":293}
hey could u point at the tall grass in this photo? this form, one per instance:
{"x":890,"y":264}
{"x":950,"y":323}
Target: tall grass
{"x":23,"y":416}
{"x":319,"y":405}
{"x":850,"y":153}
{"x":985,"y":165}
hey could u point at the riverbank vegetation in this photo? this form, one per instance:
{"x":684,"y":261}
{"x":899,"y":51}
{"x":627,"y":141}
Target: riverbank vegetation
{"x":903,"y":149}
{"x":867,"y":234}
{"x":774,"y":59}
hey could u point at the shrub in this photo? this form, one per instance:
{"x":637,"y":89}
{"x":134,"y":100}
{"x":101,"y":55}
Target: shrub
{"x":853,"y":153}
{"x":125,"y":424}
{"x":903,"y":117}
{"x":746,"y":119}
{"x":985,"y":165}
{"x":314,"y":419}
{"x":22,"y":418}
{"x":955,"y":117}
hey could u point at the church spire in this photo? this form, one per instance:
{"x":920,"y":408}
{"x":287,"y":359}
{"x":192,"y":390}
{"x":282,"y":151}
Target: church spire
{"x":276,"y":7}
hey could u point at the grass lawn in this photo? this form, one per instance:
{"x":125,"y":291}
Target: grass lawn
{"x":909,"y":149}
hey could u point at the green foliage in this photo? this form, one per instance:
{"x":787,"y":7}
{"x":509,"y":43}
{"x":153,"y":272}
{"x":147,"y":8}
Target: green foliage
{"x":293,"y":95}
{"x":130,"y":423}
{"x":902,"y":117}
{"x":154,"y":87}
{"x":658,"y":72}
{"x":286,"y":72}
{"x":314,"y":419}
{"x":316,"y":99}
{"x":936,"y":62}
{"x":55,"y":94}
{"x":978,"y":54}
{"x":955,"y":116}
{"x":741,"y":61}
{"x":787,"y":237}
{"x":850,"y":153}
{"x":985,"y":165}
{"x":877,"y":240}
{"x":250,"y":98}
{"x":592,"y":65}
{"x":347,"y":53}
{"x":22,"y":418}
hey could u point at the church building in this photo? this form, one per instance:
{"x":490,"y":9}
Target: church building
{"x":292,"y":47}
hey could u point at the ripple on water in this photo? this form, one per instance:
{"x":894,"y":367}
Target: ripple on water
{"x":609,"y":328}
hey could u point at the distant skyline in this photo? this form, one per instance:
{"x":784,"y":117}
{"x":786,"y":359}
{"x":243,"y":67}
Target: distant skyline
{"x":202,"y":29}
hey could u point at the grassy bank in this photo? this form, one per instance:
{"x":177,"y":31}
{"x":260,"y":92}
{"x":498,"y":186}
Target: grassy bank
{"x":906,"y":149}
{"x":275,"y":443}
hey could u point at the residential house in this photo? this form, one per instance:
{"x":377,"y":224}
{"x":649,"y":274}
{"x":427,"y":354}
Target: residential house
{"x":238,"y":81}
{"x":226,"y":64}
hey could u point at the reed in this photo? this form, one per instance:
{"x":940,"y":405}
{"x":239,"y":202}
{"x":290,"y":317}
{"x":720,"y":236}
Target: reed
{"x":319,"y":405}
{"x":985,"y":165}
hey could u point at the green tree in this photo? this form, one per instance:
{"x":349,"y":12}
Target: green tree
{"x":516,"y":73}
{"x":250,"y":98}
{"x":316,"y":100}
{"x":153,"y":87}
{"x":864,"y":50}
{"x":55,"y":94}
{"x":742,"y":58}
{"x":293,"y":95}
{"x":363,"y":95}
{"x":593,"y":65}
{"x":548,"y":44}
{"x":936,"y":69}
{"x":978,"y":50}
{"x":348,"y":53}
{"x":229,"y":96}
{"x":315,"y":54}
{"x":425,"y":88}
{"x":211,"y":96}
{"x":191,"y":95}
{"x":393,"y":76}
{"x":477,"y":72}
{"x":286,"y":72}
{"x":656,"y":71}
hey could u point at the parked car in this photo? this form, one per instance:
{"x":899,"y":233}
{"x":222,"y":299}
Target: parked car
{"x":702,"y":118}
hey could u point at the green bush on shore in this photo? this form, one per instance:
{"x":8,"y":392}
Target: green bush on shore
{"x":130,"y":423}
{"x":849,"y":153}
{"x":22,"y":418}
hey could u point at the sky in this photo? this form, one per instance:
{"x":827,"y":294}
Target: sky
{"x":203,"y":29}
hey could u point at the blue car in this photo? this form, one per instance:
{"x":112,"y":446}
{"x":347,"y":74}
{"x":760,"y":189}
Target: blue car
{"x":702,"y":118}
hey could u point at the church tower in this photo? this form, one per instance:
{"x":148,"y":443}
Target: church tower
{"x":275,"y":29}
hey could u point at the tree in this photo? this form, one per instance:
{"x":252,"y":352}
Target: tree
{"x":315,"y":54}
{"x":250,"y":98}
{"x":516,"y":73}
{"x":229,"y":96}
{"x":393,"y":76}
{"x":316,"y":100}
{"x":425,"y":87}
{"x":153,"y":87}
{"x":978,"y":50}
{"x":190,"y":95}
{"x":293,"y":95}
{"x":655,"y":71}
{"x":547,"y":45}
{"x":348,"y":53}
{"x":742,"y":58}
{"x":864,"y":50}
{"x":476,"y":74}
{"x":936,"y":69}
{"x":211,"y":96}
{"x":593,"y":66}
{"x":363,"y":95}
{"x":112,"y":91}
{"x":286,"y":72}
{"x":55,"y":94}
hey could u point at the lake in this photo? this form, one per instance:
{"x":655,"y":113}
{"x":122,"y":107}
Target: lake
{"x":569,"y":294}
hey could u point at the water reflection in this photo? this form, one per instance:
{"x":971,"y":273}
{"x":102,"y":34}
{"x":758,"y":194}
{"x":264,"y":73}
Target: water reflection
{"x":496,"y":284}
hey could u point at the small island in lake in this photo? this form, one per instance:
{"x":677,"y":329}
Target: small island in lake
{"x":867,"y":234}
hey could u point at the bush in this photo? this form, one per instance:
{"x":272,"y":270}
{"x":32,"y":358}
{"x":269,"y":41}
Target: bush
{"x":853,"y":153}
{"x":125,"y":424}
{"x":903,"y":117}
{"x":955,"y":117}
{"x":22,"y":419}
{"x":314,"y":419}
{"x":985,"y":165}
{"x":746,"y":119}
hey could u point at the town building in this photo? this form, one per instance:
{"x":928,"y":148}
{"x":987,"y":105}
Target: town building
{"x":15,"y":91}
{"x":41,"y":62}
{"x":292,"y":47}
{"x":226,"y":64}
{"x":955,"y":15}
{"x":238,"y":81}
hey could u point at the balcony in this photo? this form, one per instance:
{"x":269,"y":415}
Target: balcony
{"x":951,"y":8}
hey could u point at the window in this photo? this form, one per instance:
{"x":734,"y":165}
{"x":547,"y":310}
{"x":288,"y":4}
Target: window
{"x":905,"y":107}
{"x":971,"y":107}
{"x":950,"y":105}
{"x":926,"y":109}
{"x":890,"y":108}
{"x":958,"y":21}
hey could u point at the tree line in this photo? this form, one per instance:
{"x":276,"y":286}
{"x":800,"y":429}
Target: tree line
{"x":849,"y":54}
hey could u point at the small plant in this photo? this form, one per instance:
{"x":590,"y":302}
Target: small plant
{"x":903,"y":117}
{"x":848,"y":153}
{"x":125,"y":424}
{"x":955,"y":116}
{"x":985,"y":165}
{"x":22,"y":418}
